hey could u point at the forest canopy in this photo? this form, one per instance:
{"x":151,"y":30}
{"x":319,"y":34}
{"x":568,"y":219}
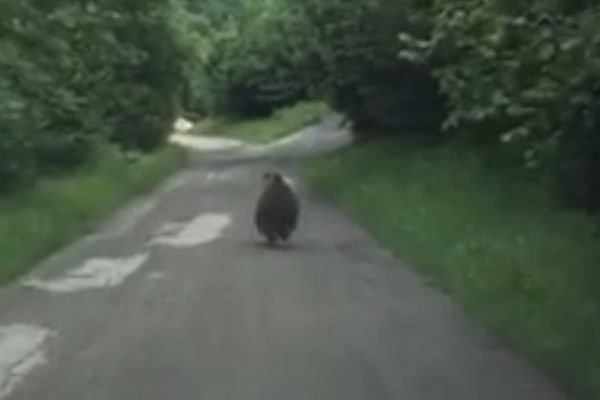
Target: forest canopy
{"x":517,"y":78}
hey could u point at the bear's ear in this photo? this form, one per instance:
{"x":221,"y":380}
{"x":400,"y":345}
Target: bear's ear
{"x":276,"y":177}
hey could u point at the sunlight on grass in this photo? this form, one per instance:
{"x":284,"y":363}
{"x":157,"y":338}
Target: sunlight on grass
{"x":35,"y":222}
{"x":494,"y":241}
{"x":263,"y":130}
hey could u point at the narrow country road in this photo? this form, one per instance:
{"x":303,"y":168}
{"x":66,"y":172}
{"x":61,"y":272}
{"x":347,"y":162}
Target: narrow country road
{"x":174,"y":299}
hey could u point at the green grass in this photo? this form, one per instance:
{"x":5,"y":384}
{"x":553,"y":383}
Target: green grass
{"x":35,"y":222}
{"x":263,"y":130}
{"x":495,"y":241}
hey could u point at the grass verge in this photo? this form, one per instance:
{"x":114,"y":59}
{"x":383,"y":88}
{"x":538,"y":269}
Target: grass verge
{"x":263,"y":130}
{"x":495,"y":241}
{"x":35,"y":222}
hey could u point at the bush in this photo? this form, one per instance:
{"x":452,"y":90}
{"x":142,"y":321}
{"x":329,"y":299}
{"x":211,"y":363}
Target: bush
{"x":366,"y":80}
{"x":523,"y":77}
{"x":71,"y":72}
{"x":248,"y":65}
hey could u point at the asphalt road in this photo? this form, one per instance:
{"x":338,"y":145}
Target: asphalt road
{"x":176,"y":299}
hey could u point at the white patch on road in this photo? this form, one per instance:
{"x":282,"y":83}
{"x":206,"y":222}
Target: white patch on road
{"x":170,"y":228}
{"x":95,"y":273}
{"x":219,"y":177}
{"x":204,"y":229}
{"x":182,"y":125}
{"x":203,"y":143}
{"x":20,"y":353}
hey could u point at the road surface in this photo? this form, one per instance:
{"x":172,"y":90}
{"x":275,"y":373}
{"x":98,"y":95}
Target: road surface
{"x":175,"y":299}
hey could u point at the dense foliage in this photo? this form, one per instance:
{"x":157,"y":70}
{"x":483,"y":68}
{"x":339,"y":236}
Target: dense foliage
{"x":365,"y":79}
{"x":519,"y":77}
{"x":264,"y":54}
{"x":246,"y":58}
{"x":73,"y":74}
{"x":524,"y":76}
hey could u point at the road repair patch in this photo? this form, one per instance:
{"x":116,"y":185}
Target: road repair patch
{"x":93,"y":274}
{"x":203,"y":229}
{"x":21,"y":351}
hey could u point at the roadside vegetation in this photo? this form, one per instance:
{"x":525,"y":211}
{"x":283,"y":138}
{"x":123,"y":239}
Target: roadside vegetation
{"x":56,"y":210}
{"x":494,"y":240}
